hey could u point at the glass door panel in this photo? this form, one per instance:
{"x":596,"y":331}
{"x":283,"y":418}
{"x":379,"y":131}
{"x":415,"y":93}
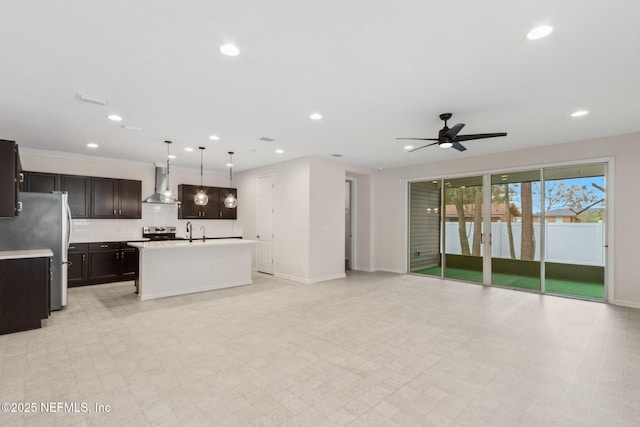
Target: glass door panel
{"x":515,"y":230}
{"x":425,"y":254}
{"x":575,"y":231}
{"x":463,"y":229}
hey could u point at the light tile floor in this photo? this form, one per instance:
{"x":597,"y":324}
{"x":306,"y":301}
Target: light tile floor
{"x":371,"y":349}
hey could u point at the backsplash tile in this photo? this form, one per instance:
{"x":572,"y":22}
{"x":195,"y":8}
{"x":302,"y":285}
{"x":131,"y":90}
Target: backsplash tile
{"x":102,"y":230}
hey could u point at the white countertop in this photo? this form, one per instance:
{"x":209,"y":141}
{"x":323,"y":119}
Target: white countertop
{"x":186,"y":244}
{"x":90,"y":240}
{"x":27,"y":253}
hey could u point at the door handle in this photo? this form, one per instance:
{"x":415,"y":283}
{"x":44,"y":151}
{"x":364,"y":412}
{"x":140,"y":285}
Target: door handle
{"x":258,"y":236}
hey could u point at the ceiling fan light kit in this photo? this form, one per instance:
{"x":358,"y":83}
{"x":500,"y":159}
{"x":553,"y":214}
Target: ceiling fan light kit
{"x":449,"y":138}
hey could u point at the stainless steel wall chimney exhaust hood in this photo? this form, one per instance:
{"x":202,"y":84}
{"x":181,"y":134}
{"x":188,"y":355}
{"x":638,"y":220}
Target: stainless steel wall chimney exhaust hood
{"x":162,"y":179}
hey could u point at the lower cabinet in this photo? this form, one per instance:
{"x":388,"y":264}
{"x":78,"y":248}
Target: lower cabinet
{"x":106,"y":262}
{"x":77,"y":271}
{"x":24,"y":293}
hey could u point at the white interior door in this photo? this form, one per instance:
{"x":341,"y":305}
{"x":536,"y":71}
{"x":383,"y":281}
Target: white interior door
{"x":264,"y":224}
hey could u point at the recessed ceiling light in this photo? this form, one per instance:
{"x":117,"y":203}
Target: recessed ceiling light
{"x":229,"y":49}
{"x":92,"y":145}
{"x":214,"y":138}
{"x":171,"y":156}
{"x":114,"y":117}
{"x":279,"y":151}
{"x":315,"y":116}
{"x":408,"y":147}
{"x":188,"y":149}
{"x":579,"y":113}
{"x":539,"y":32}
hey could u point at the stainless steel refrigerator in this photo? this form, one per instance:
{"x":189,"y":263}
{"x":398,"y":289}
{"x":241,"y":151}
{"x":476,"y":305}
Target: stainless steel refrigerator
{"x":43,"y":223}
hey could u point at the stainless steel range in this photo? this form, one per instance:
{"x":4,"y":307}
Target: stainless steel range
{"x":161,"y":232}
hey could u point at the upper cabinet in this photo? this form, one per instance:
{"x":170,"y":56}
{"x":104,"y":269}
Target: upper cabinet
{"x":78,"y":188}
{"x":214,"y":209}
{"x":10,"y":179}
{"x":91,"y":197}
{"x":225,"y":212}
{"x":116,"y":198}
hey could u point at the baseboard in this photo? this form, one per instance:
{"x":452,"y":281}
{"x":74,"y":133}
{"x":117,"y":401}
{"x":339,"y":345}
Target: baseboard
{"x":632,"y":304}
{"x":391,"y":270}
{"x":308,"y":280}
{"x":325,"y":278}
{"x":193,"y":290}
{"x":365,"y":269}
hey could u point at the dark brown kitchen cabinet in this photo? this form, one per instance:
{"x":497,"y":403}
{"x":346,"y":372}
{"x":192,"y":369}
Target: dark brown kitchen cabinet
{"x":79,"y":190}
{"x":116,"y":198}
{"x":109,"y":262}
{"x":77,"y":271}
{"x":225,"y":212}
{"x":24,"y":293}
{"x":129,"y":259}
{"x":41,"y":182}
{"x":214,"y":209}
{"x":10,"y":179}
{"x":188,"y":208}
{"x":77,"y":187}
{"x":104,"y":262}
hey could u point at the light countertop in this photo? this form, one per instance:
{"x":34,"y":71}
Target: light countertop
{"x":186,"y":244}
{"x":27,"y":253}
{"x":89,"y":240}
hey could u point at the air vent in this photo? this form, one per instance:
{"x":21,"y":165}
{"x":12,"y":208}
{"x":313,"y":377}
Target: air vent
{"x":91,"y":99}
{"x":337,"y":155}
{"x":129,"y":127}
{"x":265,"y":139}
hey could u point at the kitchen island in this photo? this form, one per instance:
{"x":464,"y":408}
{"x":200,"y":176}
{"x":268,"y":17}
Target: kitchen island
{"x":180,"y":267}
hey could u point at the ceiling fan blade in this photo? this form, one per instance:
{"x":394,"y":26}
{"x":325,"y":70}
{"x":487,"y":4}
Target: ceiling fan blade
{"x":479,"y":136}
{"x":428,"y":145}
{"x":451,"y":133}
{"x":420,"y":139}
{"x":458,"y":146}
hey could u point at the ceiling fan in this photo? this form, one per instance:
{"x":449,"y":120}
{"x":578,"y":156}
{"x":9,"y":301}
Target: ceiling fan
{"x":449,"y":138}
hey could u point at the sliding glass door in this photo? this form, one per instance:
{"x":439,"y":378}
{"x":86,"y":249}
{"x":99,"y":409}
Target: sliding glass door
{"x":515,"y":230}
{"x":539,"y":230}
{"x":463,"y":228}
{"x":425,"y":255}
{"x":575,"y":224}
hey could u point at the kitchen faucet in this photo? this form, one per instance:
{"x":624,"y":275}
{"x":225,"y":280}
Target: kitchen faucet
{"x":202,"y":228}
{"x":189,"y":228}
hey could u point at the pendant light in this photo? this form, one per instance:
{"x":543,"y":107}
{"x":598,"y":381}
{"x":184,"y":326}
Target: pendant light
{"x":230,"y":201}
{"x":167,"y":196}
{"x":201,"y":198}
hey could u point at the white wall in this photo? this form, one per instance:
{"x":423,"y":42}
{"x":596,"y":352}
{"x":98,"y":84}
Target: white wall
{"x":362,"y":209}
{"x":152,"y":214}
{"x":309,"y":216}
{"x":291,"y":217}
{"x":391,"y":205}
{"x":327,"y":216}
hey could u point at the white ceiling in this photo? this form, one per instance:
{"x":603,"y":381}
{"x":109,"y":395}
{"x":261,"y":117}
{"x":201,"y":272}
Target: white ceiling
{"x":375,"y":69}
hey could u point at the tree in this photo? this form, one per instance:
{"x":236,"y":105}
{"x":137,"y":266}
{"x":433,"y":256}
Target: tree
{"x":458,"y":199}
{"x":578,"y":198}
{"x":477,"y":222}
{"x":528,"y":239}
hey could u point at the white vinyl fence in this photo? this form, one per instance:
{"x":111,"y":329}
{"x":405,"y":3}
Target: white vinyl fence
{"x":567,"y":243}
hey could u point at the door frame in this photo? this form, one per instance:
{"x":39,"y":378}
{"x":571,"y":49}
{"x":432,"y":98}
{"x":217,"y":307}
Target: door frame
{"x":273,"y":242}
{"x":609,"y":163}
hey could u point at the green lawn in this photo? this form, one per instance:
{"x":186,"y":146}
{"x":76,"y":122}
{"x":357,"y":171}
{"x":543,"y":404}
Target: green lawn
{"x":553,"y":286}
